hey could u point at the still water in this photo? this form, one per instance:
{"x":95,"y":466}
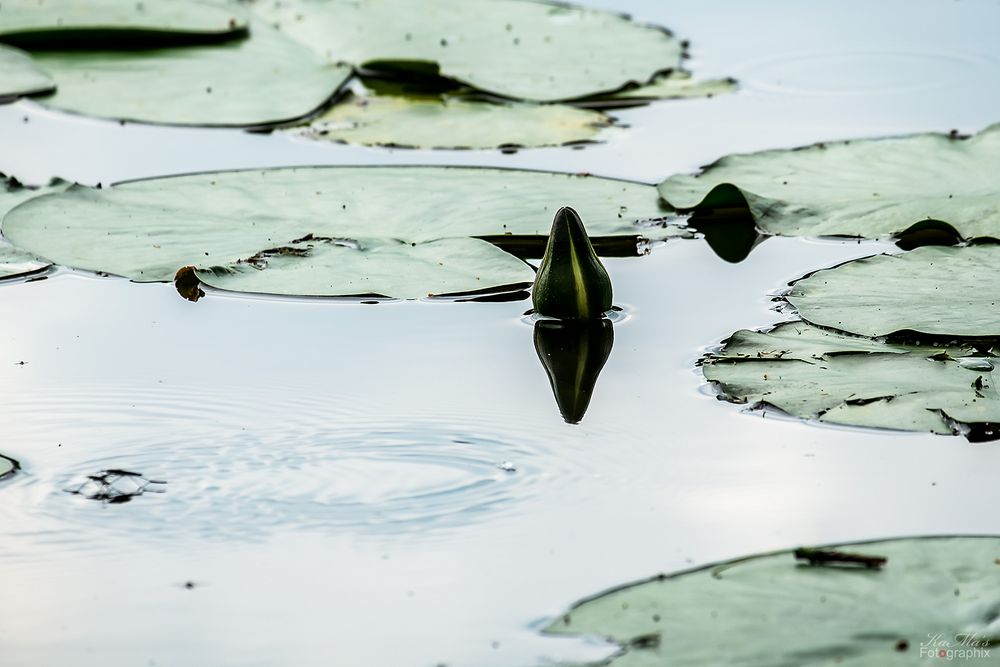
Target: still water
{"x":392,"y":484}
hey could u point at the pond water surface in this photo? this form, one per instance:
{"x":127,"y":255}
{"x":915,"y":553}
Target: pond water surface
{"x":392,"y":484}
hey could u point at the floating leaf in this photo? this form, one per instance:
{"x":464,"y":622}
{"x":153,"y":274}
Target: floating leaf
{"x":373,"y":267}
{"x":523,"y":50}
{"x":263,"y":80}
{"x":147,"y":230}
{"x":14,"y":262}
{"x":869,"y":188}
{"x":676,"y":84}
{"x":814,"y":373}
{"x":771,"y":611}
{"x":20,"y":76}
{"x":452,"y":122}
{"x":55,"y":24}
{"x":7,"y":466}
{"x":938,"y":291}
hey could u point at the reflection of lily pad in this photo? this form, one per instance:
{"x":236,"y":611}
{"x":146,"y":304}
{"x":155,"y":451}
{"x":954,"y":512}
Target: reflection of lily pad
{"x":20,"y":76}
{"x":869,"y":188}
{"x":265,"y":79}
{"x":452,"y":122}
{"x":147,"y":230}
{"x":318,"y":267}
{"x":523,"y":50}
{"x":61,"y":23}
{"x":939,"y":291}
{"x":7,"y":466}
{"x":814,"y":373}
{"x":770,"y":611}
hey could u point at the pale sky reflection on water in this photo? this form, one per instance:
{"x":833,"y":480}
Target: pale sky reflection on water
{"x":659,"y":475}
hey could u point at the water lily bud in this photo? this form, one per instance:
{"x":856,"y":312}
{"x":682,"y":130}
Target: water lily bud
{"x":571,"y":284}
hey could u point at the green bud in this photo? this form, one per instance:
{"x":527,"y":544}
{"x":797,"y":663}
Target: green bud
{"x":571,"y":284}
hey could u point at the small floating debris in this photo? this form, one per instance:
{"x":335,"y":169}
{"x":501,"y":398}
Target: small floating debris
{"x":975,"y":363}
{"x":115,"y":486}
{"x":507,"y":466}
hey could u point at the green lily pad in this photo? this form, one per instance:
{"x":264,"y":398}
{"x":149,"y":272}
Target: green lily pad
{"x":55,"y":24}
{"x":15,"y":263}
{"x":20,"y":76}
{"x":814,"y":373}
{"x":12,"y":192}
{"x":321,"y":267}
{"x":873,"y":188}
{"x":263,"y":80}
{"x":147,"y":230}
{"x":676,"y":84}
{"x":773,"y":610}
{"x":7,"y":466}
{"x":522,"y":50}
{"x":937,"y":291}
{"x":452,"y":122}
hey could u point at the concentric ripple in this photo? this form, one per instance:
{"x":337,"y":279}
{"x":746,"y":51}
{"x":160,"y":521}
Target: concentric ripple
{"x":243,"y":470}
{"x":863,"y":73}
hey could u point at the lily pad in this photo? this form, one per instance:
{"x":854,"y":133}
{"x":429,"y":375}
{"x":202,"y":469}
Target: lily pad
{"x":20,"y":76}
{"x":936,"y":291}
{"x":321,"y":267}
{"x":7,"y":466}
{"x":263,"y":80}
{"x":874,"y":188}
{"x":815,"y":373}
{"x":73,"y":23}
{"x":522,"y":50}
{"x":147,"y":230}
{"x":772,"y":611}
{"x":676,"y":84}
{"x":452,"y":122}
{"x":14,"y":262}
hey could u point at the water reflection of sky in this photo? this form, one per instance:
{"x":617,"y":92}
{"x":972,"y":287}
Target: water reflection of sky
{"x":658,"y":476}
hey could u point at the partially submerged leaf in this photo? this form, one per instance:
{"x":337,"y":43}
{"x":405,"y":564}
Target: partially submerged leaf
{"x":20,"y":76}
{"x":7,"y":466}
{"x":936,"y":291}
{"x":872,"y":188}
{"x":55,"y":24}
{"x":818,"y":374}
{"x":147,"y":230}
{"x":769,"y":611}
{"x":522,"y":50}
{"x":264,"y":80}
{"x":452,"y":122}
{"x":373,"y":267}
{"x":14,"y":262}
{"x":676,"y":84}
